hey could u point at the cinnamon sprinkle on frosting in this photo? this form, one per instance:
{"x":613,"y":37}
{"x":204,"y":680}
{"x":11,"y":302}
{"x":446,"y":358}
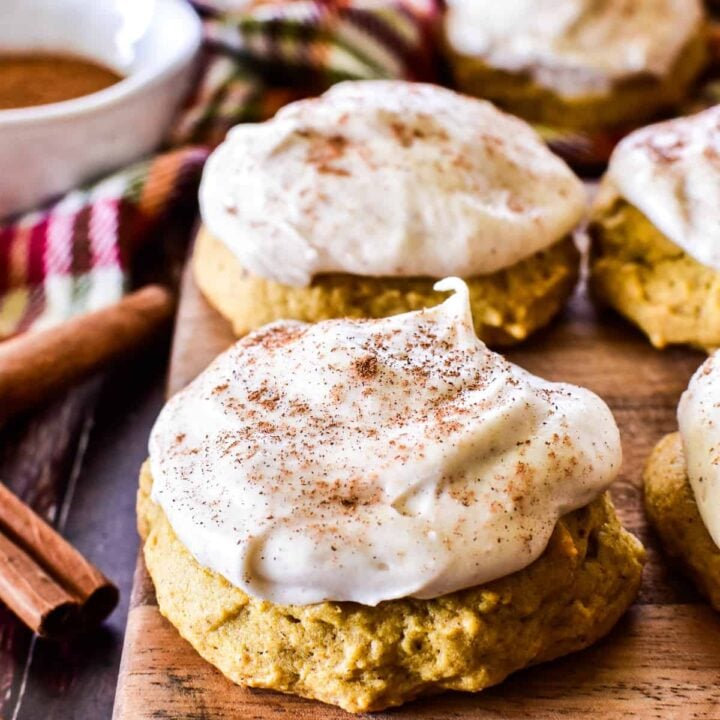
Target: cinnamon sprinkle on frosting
{"x":366,"y":460}
{"x":365,"y":178}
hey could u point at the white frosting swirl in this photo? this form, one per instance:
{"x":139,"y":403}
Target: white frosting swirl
{"x":671,"y":172}
{"x":387,"y":178}
{"x":574,"y":47}
{"x":366,"y":460}
{"x":699,"y":420}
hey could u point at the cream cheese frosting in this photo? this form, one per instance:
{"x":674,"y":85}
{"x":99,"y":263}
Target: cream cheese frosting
{"x":670,"y":171}
{"x":574,"y":47}
{"x":367,"y":460}
{"x":699,"y":421}
{"x":387,"y":178}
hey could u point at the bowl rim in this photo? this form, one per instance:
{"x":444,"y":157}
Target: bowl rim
{"x":121,"y":90}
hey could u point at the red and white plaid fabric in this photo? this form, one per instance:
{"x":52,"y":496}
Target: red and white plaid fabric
{"x":73,"y":255}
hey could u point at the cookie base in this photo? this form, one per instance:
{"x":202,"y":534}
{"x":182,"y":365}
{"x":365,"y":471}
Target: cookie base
{"x":672,"y":510}
{"x":640,"y":273}
{"x":370,"y":658}
{"x":507,"y":305}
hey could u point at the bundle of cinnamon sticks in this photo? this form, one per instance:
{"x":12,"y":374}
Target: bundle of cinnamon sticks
{"x":46,"y":582}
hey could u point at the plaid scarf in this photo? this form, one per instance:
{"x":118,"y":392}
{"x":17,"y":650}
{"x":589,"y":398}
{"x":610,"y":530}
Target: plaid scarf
{"x":74,"y":255}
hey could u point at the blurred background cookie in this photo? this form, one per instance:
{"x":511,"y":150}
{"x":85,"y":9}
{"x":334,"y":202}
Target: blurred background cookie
{"x":577,"y":63}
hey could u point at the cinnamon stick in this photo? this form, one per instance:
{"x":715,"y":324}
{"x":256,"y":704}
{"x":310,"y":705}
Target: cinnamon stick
{"x":36,"y":366}
{"x":33,"y":595}
{"x":47,"y":583}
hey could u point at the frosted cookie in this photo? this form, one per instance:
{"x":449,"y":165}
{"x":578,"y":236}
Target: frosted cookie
{"x":354,"y":203}
{"x":366,"y":511}
{"x":682,"y":483}
{"x":655,"y":228}
{"x":577,"y":63}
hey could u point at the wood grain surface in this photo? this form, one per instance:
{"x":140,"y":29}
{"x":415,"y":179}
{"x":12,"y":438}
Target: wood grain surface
{"x":661,"y":661}
{"x":75,"y":461}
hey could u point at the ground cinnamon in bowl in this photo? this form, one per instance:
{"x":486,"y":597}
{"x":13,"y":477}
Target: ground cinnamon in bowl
{"x":31,"y":79}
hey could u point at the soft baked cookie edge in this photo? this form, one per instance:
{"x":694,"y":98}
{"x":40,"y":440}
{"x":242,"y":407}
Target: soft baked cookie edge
{"x":540,"y":285}
{"x":652,"y":282}
{"x":671,"y":508}
{"x":373,"y":660}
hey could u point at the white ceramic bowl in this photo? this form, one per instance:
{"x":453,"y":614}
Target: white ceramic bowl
{"x":46,"y":150}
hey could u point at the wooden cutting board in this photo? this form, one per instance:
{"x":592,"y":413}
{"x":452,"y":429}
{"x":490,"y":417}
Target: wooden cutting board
{"x":661,"y":661}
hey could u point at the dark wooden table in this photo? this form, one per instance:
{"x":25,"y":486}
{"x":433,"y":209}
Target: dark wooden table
{"x":76,"y":462}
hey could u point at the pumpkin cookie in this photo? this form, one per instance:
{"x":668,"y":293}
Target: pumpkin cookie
{"x":367,"y":511}
{"x":354,"y":203}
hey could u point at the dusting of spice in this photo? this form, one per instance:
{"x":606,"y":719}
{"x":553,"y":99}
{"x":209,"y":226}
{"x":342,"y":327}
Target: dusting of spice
{"x":366,"y":460}
{"x":31,"y":79}
{"x":366,"y":367}
{"x":365,"y":178}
